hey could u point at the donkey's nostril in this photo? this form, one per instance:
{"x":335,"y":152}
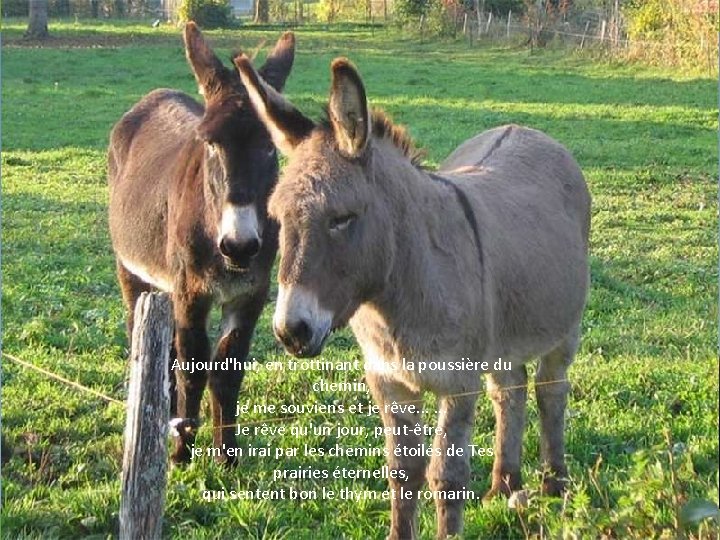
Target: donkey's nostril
{"x":224,"y":249}
{"x":252,"y":247}
{"x":239,"y":253}
{"x":294,"y":335}
{"x":299,"y":331}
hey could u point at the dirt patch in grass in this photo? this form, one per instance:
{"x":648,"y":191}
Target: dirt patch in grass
{"x":88,"y":41}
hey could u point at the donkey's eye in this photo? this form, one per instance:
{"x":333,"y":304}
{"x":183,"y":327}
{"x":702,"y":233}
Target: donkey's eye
{"x":212,"y":148}
{"x":340,"y":223}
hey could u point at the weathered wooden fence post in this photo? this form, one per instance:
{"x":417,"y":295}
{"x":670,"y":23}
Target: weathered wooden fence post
{"x":146,"y":427}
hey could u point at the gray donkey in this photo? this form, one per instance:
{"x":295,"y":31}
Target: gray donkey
{"x":486,"y":259}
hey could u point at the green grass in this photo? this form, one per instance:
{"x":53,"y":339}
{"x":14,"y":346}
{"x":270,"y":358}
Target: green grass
{"x":645,"y":382}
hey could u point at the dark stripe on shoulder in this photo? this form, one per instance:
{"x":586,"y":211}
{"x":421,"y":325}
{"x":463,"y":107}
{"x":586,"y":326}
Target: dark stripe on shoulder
{"x":497,"y":143}
{"x":467,"y":210}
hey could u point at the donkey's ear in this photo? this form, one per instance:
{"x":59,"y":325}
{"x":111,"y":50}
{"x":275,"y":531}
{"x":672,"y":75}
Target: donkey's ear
{"x":206,"y":66}
{"x":279,"y":62}
{"x":349,"y":112}
{"x":287,"y":126}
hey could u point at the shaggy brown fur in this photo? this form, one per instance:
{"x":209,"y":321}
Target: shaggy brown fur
{"x":384,"y":128}
{"x":188,"y":193}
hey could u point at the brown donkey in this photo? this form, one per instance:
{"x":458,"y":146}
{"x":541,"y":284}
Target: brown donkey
{"x":486,"y":259}
{"x":188,"y":215}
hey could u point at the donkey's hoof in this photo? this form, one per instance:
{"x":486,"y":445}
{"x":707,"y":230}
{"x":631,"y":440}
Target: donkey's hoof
{"x":553,"y":486}
{"x":518,"y":500}
{"x":491,"y":494}
{"x":397,"y":536}
{"x":182,"y":454}
{"x":497,"y":491}
{"x":183,"y":431}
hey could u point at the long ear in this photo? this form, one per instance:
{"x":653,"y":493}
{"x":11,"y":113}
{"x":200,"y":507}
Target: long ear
{"x":349,"y":112}
{"x":279,"y":62}
{"x":287,"y":126}
{"x":206,"y":66}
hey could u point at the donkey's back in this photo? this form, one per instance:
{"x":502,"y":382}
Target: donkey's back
{"x":527,"y":159}
{"x":534,"y":216}
{"x":148,"y":148}
{"x":153,"y":130}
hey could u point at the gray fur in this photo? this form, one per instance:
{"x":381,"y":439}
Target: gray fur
{"x":419,"y":277}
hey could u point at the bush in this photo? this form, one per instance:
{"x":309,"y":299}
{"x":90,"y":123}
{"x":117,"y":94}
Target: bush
{"x":411,"y":10}
{"x":342,"y":10}
{"x":279,"y":10}
{"x":670,"y":32}
{"x":647,"y":19}
{"x":207,"y":13}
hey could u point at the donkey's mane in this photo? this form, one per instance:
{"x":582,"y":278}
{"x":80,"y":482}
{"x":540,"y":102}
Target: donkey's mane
{"x":384,"y":128}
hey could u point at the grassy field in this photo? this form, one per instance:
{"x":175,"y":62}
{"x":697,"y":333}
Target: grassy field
{"x":642,"y":428}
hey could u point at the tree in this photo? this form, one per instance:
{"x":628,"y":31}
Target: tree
{"x":38,"y":24}
{"x":262,"y":11}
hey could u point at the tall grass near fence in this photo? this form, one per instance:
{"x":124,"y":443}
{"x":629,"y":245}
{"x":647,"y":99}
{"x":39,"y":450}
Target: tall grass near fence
{"x":673,"y":32}
{"x":671,"y":35}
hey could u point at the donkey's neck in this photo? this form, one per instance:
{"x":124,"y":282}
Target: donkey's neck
{"x":436,"y":279}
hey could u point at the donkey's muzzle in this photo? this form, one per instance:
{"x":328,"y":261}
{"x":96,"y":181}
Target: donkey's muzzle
{"x":239,"y":254}
{"x":297,"y":338}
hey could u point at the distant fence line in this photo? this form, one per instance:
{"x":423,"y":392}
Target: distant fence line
{"x":332,"y":10}
{"x":600,"y":29}
{"x":596,"y":30}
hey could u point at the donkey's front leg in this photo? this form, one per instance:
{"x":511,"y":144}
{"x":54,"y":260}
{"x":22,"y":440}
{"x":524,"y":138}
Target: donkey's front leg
{"x":238,"y":324}
{"x":193,"y":349}
{"x":451,"y":473}
{"x":508,"y":391}
{"x":403,"y":525}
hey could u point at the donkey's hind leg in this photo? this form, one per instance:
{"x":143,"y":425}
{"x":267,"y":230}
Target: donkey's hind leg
{"x":132,"y":287}
{"x":238,"y":320}
{"x":508,"y":391}
{"x":449,"y":473}
{"x":551,"y":388}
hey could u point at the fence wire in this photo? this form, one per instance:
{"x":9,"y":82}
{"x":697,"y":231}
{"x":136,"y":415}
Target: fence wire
{"x":73,"y":384}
